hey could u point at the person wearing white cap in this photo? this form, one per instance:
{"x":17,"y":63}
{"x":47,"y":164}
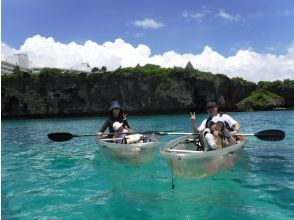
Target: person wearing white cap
{"x":120,"y":132}
{"x":116,"y":114}
{"x":123,"y":136}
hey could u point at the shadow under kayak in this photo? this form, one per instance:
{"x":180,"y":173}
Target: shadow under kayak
{"x":185,"y":161}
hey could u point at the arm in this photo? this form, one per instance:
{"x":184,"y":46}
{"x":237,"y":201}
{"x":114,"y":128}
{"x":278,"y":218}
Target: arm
{"x":104,"y":126}
{"x":193,"y":122}
{"x":210,"y":139}
{"x":236,"y":129}
{"x":233,"y":124}
{"x":125,"y":123}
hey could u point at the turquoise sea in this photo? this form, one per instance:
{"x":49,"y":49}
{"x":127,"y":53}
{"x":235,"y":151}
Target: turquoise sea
{"x":42,"y":179}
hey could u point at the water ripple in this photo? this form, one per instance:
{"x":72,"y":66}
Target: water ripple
{"x":42,"y":179}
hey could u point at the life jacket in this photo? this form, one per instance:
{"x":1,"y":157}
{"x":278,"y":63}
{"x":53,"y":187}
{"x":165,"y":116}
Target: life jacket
{"x":208,"y":123}
{"x":219,"y":141}
{"x":206,"y":145}
{"x":203,"y":141}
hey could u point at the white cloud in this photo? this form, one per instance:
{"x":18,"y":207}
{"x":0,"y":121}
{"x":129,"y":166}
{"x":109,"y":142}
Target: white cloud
{"x":148,"y":23}
{"x":198,"y":16}
{"x":7,"y":51}
{"x":50,"y":53}
{"x":226,"y":16}
{"x":246,"y":63}
{"x":205,"y":12}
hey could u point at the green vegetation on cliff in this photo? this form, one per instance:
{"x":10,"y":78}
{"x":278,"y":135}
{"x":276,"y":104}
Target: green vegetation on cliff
{"x":282,"y":88}
{"x":147,"y":88}
{"x":263,"y":97}
{"x":260,"y":99}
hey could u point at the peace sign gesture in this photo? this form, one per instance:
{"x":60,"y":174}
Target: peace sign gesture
{"x":193,"y":116}
{"x":125,"y":117}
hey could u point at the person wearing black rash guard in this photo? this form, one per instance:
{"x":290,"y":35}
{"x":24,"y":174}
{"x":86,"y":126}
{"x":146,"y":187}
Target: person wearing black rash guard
{"x":116,"y":114}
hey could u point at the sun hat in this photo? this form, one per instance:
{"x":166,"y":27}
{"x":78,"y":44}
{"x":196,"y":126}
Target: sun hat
{"x":116,"y":125}
{"x":114,"y":104}
{"x":211,"y":104}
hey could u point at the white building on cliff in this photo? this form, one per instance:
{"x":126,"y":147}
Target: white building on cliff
{"x":10,"y":63}
{"x":22,"y":61}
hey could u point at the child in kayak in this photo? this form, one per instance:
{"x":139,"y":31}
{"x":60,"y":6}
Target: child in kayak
{"x":123,"y":136}
{"x":228,"y":138}
{"x":217,"y":136}
{"x":120,"y":132}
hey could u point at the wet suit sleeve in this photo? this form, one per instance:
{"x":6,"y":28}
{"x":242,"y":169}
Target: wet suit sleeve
{"x":125,"y":123}
{"x":104,"y":126}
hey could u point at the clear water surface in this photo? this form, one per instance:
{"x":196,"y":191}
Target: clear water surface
{"x":42,"y":179}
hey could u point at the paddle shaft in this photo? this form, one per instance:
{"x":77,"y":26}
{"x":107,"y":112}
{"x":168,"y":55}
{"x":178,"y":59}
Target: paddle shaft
{"x":265,"y":135}
{"x":83,"y":135}
{"x":269,"y":135}
{"x":110,"y":139}
{"x":246,"y":134}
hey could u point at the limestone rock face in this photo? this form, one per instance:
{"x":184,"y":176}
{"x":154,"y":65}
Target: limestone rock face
{"x":70,"y":94}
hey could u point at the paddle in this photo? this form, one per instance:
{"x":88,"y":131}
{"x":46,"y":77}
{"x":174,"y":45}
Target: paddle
{"x":65,"y":136}
{"x":266,"y":135}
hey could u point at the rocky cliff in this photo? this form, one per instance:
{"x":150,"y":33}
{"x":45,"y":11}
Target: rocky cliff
{"x":52,"y":92}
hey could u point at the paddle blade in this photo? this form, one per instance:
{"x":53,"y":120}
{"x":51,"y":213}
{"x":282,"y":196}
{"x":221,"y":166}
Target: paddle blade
{"x":270,"y":135}
{"x":59,"y":137}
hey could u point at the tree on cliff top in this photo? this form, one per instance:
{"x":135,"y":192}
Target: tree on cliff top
{"x":189,"y":66}
{"x":16,"y":70}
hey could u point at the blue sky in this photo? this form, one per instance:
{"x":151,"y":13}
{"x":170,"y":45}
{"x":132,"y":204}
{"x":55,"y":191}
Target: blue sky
{"x":233,"y":37}
{"x":262,"y":25}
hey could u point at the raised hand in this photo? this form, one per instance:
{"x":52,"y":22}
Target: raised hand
{"x":125,"y":117}
{"x":193,"y":116}
{"x":233,"y":133}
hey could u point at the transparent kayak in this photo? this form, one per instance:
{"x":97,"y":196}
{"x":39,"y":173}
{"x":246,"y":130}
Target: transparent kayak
{"x":130,"y":154}
{"x":182,"y":157}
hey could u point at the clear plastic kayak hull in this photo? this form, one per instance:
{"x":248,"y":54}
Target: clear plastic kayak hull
{"x":185,"y":161}
{"x":130,"y":154}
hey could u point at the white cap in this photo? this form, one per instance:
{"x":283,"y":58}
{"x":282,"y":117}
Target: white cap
{"x":116,"y":125}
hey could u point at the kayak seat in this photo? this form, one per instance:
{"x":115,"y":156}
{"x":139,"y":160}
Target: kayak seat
{"x":194,"y":141}
{"x":198,"y":143}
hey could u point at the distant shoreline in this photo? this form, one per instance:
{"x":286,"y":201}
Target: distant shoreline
{"x":130,"y":113}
